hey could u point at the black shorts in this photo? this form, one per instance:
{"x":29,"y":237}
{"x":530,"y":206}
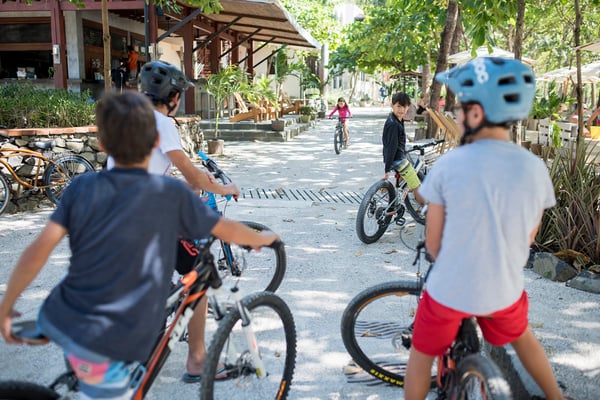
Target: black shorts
{"x":187,"y":256}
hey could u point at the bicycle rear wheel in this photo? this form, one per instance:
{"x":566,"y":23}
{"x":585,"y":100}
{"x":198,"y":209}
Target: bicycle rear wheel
{"x":61,"y":172}
{"x":372,"y":219}
{"x":479,"y":378}
{"x":376,"y":329}
{"x":15,"y":390}
{"x":4,"y":192}
{"x":337,"y":141}
{"x":255,"y":270}
{"x":414,"y":208}
{"x":229,"y":354}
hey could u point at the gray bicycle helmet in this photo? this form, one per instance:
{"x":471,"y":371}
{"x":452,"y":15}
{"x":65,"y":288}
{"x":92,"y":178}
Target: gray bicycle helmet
{"x":160,"y":80}
{"x":505,"y":88}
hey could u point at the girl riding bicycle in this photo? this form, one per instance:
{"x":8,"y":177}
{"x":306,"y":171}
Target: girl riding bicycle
{"x":344,"y":112}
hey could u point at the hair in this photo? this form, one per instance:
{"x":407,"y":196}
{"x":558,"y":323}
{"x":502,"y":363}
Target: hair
{"x":130,"y":48}
{"x":341,"y":99}
{"x":126,"y":126}
{"x":401,"y":98}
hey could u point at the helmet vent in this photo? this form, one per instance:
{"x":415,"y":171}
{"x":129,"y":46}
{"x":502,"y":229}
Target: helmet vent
{"x":509,"y":80}
{"x":468,"y":82}
{"x":512,"y":98}
{"x":528,"y":78}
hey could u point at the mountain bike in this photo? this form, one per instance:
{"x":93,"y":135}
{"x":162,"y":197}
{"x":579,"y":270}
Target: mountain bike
{"x":257,"y":271}
{"x":38,"y":171}
{"x":376,"y":329}
{"x":339,"y":139}
{"x":385,"y":201}
{"x":267,"y":349}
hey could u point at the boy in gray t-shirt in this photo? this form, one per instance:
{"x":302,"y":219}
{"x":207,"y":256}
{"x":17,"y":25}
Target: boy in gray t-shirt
{"x":486,"y":199}
{"x":123,"y":226}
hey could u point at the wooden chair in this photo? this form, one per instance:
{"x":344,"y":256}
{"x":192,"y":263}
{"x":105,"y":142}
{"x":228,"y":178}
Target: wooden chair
{"x":447,"y":130}
{"x":254,"y":112}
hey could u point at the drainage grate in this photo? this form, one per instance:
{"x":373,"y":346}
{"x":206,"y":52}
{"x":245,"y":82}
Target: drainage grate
{"x":321,"y":196}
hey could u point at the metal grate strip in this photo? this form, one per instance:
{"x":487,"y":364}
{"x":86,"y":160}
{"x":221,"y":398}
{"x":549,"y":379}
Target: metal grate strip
{"x":320,"y":196}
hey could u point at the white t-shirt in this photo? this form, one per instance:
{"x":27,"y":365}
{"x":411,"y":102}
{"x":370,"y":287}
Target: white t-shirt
{"x":160,"y":163}
{"x":494,"y":193}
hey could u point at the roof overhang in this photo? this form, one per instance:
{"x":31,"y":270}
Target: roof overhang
{"x":592,"y":46}
{"x":265,"y":20}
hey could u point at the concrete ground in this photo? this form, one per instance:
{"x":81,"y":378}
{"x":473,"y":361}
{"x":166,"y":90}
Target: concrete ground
{"x":327,"y":266}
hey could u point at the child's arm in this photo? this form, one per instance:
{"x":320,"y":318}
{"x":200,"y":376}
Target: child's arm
{"x":334,"y":110}
{"x":234,"y":232}
{"x":27,"y":268}
{"x":434,"y":226}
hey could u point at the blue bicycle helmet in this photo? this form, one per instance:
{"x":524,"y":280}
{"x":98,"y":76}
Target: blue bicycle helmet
{"x":160,"y":80}
{"x":505,"y":88}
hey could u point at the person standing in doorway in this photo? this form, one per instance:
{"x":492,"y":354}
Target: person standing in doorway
{"x":132,"y":63}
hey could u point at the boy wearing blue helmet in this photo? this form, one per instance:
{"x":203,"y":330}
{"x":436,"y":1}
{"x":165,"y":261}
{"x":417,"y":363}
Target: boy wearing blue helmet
{"x":493,"y":190}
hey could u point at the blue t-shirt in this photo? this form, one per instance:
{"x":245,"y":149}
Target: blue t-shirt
{"x":123,"y":226}
{"x":494,"y":193}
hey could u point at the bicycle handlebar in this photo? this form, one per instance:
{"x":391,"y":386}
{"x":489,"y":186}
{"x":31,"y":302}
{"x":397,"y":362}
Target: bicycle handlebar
{"x":275,"y":245}
{"x":218,"y":173}
{"x":418,"y":147}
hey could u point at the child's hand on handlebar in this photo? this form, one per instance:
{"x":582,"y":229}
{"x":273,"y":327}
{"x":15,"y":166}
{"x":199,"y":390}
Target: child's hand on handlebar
{"x":232,"y":190}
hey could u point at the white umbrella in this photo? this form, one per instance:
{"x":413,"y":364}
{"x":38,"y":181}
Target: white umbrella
{"x":465,"y":56}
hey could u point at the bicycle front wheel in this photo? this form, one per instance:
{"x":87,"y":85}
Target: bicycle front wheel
{"x":60,"y":173}
{"x":375,"y":211}
{"x":229,"y":357}
{"x":337,"y":141}
{"x":376,"y":329}
{"x":255,"y":270}
{"x":4,"y":192}
{"x":15,"y":390}
{"x":479,"y":378}
{"x":414,"y":208}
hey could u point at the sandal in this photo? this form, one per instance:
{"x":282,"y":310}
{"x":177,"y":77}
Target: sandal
{"x":221,"y":375}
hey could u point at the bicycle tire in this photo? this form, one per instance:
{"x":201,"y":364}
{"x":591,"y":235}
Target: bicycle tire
{"x":258,"y":270}
{"x":4,"y":192}
{"x":337,"y":141}
{"x":376,"y":329}
{"x":371,"y":223}
{"x":275,"y":331}
{"x":16,"y":390}
{"x":478,"y":377}
{"x":59,"y":174}
{"x":414,"y":208}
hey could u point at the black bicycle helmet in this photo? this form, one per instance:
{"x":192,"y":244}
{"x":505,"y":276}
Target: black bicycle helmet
{"x":505,"y":88}
{"x":161,"y":80}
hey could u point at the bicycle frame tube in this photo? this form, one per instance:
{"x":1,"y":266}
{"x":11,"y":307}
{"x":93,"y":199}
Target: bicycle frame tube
{"x":38,"y":170}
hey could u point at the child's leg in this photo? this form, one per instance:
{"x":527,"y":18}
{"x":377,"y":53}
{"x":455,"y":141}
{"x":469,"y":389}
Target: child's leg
{"x":196,"y":343}
{"x":418,"y":375}
{"x":532,"y":356}
{"x":346,"y":131}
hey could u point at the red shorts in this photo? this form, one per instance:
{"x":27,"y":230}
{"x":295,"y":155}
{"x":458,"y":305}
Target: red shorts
{"x":436,"y":325}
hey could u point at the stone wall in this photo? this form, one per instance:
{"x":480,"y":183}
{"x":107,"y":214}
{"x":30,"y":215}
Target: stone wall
{"x":79,"y":140}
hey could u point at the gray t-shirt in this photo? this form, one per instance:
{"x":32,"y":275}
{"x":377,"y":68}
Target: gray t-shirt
{"x":494,"y":193}
{"x":123,"y":227}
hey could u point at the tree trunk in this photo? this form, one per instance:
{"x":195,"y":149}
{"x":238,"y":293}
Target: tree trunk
{"x":442,"y":61}
{"x":517,"y":51}
{"x":454,"y":48}
{"x":106,"y":42}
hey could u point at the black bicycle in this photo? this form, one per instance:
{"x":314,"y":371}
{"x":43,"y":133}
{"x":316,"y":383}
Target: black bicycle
{"x":385,"y":201}
{"x":339,"y":139}
{"x":266,"y":351}
{"x":376,"y":329}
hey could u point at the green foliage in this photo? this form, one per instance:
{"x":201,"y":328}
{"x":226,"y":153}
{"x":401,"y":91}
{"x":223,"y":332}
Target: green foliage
{"x":307,"y":110}
{"x":260,"y":89}
{"x":224,"y":84}
{"x":573,"y":222}
{"x":549,"y":105}
{"x":24,"y":106}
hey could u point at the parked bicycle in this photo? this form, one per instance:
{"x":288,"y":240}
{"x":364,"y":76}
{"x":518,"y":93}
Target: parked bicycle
{"x":257,"y":271}
{"x":266,"y":349}
{"x":339,"y":139}
{"x":376,"y":329}
{"x":385,"y":201}
{"x":38,"y":171}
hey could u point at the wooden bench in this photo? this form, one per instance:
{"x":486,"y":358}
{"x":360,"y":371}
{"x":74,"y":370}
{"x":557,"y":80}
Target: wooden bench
{"x":243,"y":112}
{"x":568,"y":131}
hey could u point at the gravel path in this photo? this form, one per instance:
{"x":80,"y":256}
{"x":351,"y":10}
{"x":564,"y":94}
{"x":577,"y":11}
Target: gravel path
{"x":327,"y":266}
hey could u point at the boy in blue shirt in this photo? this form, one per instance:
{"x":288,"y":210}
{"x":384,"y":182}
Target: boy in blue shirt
{"x":123,"y":226}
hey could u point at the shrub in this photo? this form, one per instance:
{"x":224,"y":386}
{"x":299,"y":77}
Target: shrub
{"x":24,"y":106}
{"x":573,"y":222}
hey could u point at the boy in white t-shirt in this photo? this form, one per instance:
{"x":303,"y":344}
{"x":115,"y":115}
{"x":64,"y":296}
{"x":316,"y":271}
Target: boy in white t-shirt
{"x":486,"y":199}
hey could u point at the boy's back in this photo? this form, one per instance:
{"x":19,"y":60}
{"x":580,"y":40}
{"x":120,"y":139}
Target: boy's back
{"x":122,"y":224}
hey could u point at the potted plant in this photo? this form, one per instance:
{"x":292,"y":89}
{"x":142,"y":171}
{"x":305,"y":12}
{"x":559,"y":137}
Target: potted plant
{"x":420,"y":130}
{"x":305,"y":112}
{"x":222,"y":85}
{"x":283,"y":68}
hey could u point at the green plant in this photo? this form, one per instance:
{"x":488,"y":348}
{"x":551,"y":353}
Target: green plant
{"x":573,"y":222}
{"x":283,"y":69}
{"x":307,"y":110}
{"x":224,"y":84}
{"x":23,"y":105}
{"x":260,"y":89}
{"x":548,"y":107}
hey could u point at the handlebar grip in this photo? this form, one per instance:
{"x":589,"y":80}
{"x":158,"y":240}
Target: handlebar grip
{"x":203,"y":155}
{"x":275,"y":245}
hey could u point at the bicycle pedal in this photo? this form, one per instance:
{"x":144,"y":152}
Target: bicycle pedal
{"x":400,"y":221}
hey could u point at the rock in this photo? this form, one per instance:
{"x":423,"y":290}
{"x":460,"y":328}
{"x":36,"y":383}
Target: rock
{"x":586,"y":281}
{"x":552,"y":267}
